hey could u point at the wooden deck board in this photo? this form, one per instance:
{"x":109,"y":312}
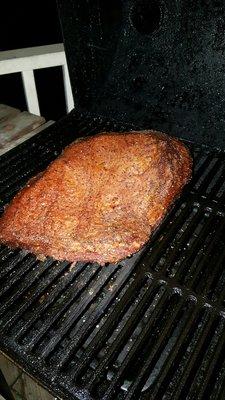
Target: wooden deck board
{"x":17,"y":126}
{"x":9,"y":370}
{"x":22,"y":386}
{"x":7,"y":112}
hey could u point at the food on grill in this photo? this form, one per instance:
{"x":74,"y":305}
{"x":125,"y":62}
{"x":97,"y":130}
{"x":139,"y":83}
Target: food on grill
{"x":101,"y":199}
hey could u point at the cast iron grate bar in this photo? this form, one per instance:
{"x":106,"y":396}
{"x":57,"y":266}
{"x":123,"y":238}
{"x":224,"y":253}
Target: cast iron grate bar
{"x":9,"y":259}
{"x":112,"y":349}
{"x":4,"y":252}
{"x":218,"y":289}
{"x":179,"y":242}
{"x":24,"y":266}
{"x":193,"y":251}
{"x":76,"y":313}
{"x":28,"y":299}
{"x":181,"y":383}
{"x":216,"y":381}
{"x":158,"y":387}
{"x":91,"y":322}
{"x":147,"y":338}
{"x":157,"y":251}
{"x":137,"y":385}
{"x":54,"y":316}
{"x":196,"y":282}
{"x":118,"y":378}
{"x":208,"y":363}
{"x":25,"y":284}
{"x":42,"y":306}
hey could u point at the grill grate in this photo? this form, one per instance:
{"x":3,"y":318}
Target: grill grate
{"x":150,"y":327}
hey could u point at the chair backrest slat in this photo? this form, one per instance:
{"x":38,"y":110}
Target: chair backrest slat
{"x":29,"y":59}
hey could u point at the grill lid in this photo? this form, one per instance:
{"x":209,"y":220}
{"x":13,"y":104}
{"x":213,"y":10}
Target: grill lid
{"x":156,"y":63}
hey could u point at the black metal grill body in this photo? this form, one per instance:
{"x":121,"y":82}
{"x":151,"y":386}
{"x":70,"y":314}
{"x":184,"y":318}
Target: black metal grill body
{"x":151,"y":327}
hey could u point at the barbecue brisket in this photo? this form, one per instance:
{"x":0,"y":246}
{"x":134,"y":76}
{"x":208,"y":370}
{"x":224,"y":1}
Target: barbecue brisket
{"x":101,"y":199}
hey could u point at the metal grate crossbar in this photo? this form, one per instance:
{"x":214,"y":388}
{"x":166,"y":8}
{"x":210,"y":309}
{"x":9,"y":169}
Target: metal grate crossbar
{"x":150,"y":327}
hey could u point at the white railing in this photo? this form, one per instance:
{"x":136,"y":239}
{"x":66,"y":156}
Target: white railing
{"x":27,"y":60}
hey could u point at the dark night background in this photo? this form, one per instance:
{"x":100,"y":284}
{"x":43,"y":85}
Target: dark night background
{"x":27,"y":24}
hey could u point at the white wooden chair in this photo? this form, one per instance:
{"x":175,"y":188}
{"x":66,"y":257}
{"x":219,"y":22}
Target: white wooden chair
{"x":27,"y":60}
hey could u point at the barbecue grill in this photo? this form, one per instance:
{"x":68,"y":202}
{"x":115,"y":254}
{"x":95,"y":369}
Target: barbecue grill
{"x":153,"y":325}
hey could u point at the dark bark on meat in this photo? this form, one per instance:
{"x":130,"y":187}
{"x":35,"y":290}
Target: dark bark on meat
{"x":101,"y":199}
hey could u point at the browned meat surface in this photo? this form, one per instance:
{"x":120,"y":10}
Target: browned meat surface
{"x":101,"y":199}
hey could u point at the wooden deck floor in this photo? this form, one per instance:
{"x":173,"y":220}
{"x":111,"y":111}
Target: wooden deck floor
{"x":17,"y":126}
{"x":22,"y":386}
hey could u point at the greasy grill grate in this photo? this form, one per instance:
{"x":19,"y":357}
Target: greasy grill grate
{"x":152,"y":326}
